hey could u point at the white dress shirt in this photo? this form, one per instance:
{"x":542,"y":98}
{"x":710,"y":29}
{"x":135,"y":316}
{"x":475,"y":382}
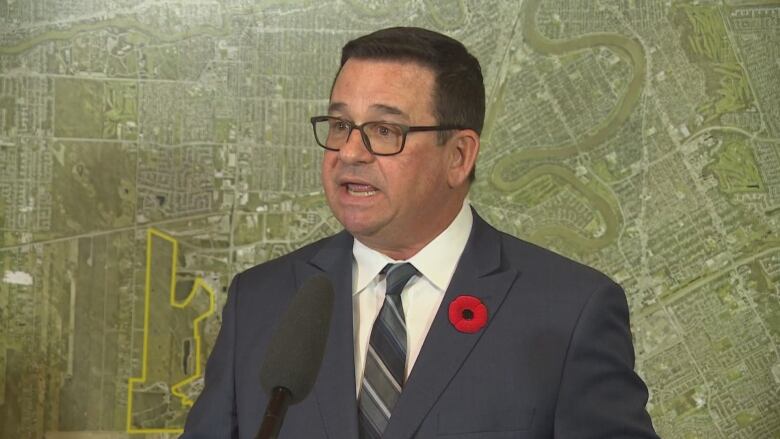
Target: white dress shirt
{"x":422,"y":295}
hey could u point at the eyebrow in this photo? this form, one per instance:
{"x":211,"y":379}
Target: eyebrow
{"x":382,"y":108}
{"x":388,"y":109}
{"x":336,"y":106}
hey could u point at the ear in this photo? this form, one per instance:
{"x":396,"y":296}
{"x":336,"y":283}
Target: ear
{"x":463,"y":148}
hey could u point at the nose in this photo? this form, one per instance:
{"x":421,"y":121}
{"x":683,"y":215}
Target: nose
{"x":354,"y":151}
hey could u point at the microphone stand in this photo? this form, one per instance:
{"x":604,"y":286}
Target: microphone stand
{"x":274,"y":413}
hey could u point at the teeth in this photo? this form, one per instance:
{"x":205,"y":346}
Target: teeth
{"x":361,"y":190}
{"x":361,"y":193}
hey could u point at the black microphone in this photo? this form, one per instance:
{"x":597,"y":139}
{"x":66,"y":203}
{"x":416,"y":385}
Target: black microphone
{"x":295,"y":352}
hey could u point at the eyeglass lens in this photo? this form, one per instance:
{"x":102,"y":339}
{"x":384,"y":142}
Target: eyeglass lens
{"x":382,"y":138}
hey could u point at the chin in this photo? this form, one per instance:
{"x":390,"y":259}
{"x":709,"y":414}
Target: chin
{"x":358,"y":225}
{"x":358,"y":228}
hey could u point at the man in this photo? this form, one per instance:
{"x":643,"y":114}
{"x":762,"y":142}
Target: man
{"x":480,"y":335}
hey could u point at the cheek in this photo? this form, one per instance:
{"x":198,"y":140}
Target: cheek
{"x":431,"y":170}
{"x":327,"y":161}
{"x":419,"y":181}
{"x":326,"y":169}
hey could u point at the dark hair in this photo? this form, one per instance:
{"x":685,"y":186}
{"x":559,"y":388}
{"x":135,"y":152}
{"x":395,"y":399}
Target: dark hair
{"x":459,"y":91}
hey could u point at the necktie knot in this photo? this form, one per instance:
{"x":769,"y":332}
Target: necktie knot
{"x":398,"y":276}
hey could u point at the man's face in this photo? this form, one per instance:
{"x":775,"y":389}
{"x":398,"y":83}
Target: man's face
{"x":388,"y":201}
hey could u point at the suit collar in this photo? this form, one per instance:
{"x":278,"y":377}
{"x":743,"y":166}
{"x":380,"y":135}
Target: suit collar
{"x":334,"y":253}
{"x":483,"y":250}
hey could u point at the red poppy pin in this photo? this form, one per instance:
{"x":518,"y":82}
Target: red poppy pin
{"x":468,"y":314}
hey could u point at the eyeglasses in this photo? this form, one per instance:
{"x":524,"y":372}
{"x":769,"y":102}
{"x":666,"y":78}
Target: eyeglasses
{"x":379,"y":138}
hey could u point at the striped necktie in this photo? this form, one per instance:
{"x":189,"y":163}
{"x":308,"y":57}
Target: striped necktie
{"x":383,"y":376}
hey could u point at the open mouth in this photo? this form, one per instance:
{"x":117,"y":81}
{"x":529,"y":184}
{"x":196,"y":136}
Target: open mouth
{"x":360,"y":190}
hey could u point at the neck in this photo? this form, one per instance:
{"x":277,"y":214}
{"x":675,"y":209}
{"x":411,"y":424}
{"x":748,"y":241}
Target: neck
{"x":403,"y":245}
{"x":396,"y":253}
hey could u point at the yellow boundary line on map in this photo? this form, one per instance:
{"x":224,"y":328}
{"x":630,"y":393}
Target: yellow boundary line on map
{"x":199,"y":283}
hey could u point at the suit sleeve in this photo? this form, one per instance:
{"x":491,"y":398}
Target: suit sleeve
{"x":214,"y":413}
{"x":600,"y":395}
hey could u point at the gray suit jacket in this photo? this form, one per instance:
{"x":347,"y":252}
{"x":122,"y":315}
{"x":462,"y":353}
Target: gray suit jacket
{"x":554,"y":361}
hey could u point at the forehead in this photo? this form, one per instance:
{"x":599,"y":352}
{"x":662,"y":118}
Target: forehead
{"x":367,"y":85}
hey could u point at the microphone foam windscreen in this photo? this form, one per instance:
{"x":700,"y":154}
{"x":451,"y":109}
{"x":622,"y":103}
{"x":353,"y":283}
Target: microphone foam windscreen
{"x":295,"y":351}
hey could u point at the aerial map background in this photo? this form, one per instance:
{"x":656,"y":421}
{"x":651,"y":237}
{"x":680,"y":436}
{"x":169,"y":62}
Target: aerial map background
{"x":151,"y":149}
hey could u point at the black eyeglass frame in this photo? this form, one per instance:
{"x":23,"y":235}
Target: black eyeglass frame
{"x":405,"y":129}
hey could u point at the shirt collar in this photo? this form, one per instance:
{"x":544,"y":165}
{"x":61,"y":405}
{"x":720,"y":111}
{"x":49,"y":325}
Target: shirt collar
{"x":436,"y":261}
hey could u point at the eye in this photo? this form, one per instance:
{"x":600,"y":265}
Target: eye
{"x":385,"y":130}
{"x":338,"y":125}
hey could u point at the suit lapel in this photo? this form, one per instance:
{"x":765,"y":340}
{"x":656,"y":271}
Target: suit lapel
{"x":479,"y":274}
{"x":335,"y":386}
